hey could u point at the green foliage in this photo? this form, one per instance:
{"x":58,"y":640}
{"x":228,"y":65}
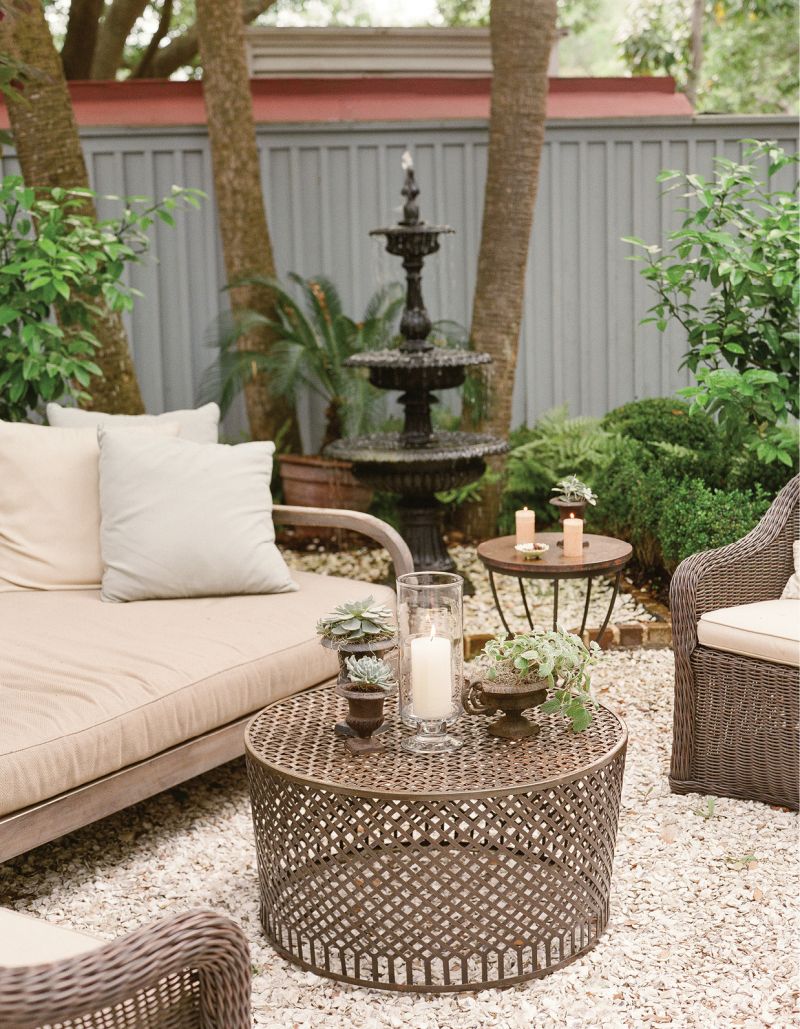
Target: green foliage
{"x":57,"y":264}
{"x":305,"y":346}
{"x":358,"y":621}
{"x":730,"y":278}
{"x":571,"y":490}
{"x":370,"y":673}
{"x":663,"y":420}
{"x":750,"y":51}
{"x":472,"y":493}
{"x":574,"y":15}
{"x":694,"y":518}
{"x":559,"y":657}
{"x":555,"y":447}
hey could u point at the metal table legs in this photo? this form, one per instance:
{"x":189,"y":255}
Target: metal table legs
{"x":529,"y":616}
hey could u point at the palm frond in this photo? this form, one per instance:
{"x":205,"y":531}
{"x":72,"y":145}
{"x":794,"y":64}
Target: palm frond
{"x":383,"y":298}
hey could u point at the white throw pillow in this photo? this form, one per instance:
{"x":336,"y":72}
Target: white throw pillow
{"x":50,"y":506}
{"x":182,"y":519}
{"x":791,"y":590}
{"x":200,"y":425}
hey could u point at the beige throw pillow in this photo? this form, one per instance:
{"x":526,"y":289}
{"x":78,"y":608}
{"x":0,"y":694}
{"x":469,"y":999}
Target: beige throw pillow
{"x":791,"y":590}
{"x":50,"y":507}
{"x":200,"y":425}
{"x":181,"y":519}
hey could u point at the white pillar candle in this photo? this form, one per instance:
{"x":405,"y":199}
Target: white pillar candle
{"x":431,"y":676}
{"x":573,"y":536}
{"x":526,"y":526}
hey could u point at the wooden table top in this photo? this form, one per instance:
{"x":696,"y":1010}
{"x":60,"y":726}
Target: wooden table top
{"x":604,"y":554}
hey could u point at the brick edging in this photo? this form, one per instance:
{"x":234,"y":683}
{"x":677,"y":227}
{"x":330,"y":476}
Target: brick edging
{"x":631,"y":635}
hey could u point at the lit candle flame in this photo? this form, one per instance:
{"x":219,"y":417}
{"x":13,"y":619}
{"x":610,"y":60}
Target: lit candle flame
{"x":406,"y":161}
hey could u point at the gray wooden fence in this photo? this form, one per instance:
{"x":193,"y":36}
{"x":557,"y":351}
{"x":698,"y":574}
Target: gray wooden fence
{"x":327,"y":186}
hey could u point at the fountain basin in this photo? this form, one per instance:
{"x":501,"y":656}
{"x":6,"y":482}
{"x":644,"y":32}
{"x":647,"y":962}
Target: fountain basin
{"x":437,"y":368}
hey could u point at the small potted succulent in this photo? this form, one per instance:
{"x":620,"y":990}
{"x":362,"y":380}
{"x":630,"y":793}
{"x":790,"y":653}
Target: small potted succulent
{"x":370,"y":680}
{"x":572,"y":497}
{"x":356,"y":628}
{"x":516,"y":673}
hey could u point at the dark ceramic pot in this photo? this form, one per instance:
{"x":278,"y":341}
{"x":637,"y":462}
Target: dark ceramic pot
{"x":567,"y":509}
{"x":365,"y":717}
{"x":486,"y":697}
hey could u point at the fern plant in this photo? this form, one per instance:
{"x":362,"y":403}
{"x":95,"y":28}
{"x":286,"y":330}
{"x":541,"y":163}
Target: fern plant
{"x":306,"y":345}
{"x":555,"y":447}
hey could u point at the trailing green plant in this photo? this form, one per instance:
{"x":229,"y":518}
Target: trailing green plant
{"x":693,"y":517}
{"x":358,"y":621}
{"x":572,"y":491}
{"x":558,"y":657}
{"x":556,"y":446}
{"x":370,"y":674}
{"x":731,"y":278}
{"x":56,"y":263}
{"x":309,"y":342}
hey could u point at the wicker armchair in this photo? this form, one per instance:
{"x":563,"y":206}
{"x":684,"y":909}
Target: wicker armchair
{"x":190,"y":971}
{"x":735,"y":730}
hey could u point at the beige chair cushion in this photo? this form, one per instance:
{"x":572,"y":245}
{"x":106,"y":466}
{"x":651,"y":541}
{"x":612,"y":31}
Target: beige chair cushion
{"x":791,"y":590}
{"x":50,"y":506}
{"x":87,"y":688}
{"x":768,"y":630}
{"x":32,"y":941}
{"x":200,"y":425}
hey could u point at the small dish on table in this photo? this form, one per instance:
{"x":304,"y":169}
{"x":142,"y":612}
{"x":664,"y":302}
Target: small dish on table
{"x":531,"y":551}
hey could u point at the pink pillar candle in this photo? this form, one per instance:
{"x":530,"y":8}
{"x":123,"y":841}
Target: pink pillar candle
{"x":526,"y":526}
{"x":573,"y":536}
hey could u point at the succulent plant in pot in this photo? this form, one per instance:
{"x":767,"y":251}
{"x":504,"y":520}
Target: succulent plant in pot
{"x":516,"y":674}
{"x":370,"y":681}
{"x":355,"y":628}
{"x":572,"y":496}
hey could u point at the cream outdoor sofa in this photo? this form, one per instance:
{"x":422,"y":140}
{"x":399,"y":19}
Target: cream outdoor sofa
{"x":102,"y":705}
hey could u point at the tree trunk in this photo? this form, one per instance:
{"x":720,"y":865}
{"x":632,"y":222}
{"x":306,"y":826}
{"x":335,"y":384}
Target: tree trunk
{"x":49,"y":151}
{"x":120,"y":17}
{"x":696,"y":51}
{"x":237,"y":186}
{"x":522,"y":36}
{"x":79,"y":42}
{"x":182,"y":50}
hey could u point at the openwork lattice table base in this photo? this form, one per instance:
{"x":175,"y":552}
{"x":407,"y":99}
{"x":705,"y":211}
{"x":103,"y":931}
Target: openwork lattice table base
{"x":480,"y":868}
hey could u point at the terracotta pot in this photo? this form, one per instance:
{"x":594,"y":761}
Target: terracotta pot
{"x":568,"y":508}
{"x":486,"y":697}
{"x":310,"y":481}
{"x":345,"y":650}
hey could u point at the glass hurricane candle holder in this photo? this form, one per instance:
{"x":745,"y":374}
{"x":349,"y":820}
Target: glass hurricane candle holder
{"x":431,"y":653}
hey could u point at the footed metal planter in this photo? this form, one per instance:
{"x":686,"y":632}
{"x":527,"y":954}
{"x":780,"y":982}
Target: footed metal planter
{"x":365,"y":716}
{"x":485,"y":697}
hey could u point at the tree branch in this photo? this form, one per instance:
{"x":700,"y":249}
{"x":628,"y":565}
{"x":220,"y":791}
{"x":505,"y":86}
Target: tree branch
{"x":183,"y":49}
{"x":115,"y":28}
{"x":142,"y":68}
{"x":81,"y":38}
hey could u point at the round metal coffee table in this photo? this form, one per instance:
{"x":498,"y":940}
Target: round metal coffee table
{"x":478,"y":868}
{"x":602,"y":555}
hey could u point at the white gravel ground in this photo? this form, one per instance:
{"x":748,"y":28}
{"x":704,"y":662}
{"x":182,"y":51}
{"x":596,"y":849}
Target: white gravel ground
{"x":704,"y":915}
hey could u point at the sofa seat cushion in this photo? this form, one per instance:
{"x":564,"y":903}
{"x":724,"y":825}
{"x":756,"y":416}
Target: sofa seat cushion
{"x":25,"y":940}
{"x":87,"y":688}
{"x":768,"y":630}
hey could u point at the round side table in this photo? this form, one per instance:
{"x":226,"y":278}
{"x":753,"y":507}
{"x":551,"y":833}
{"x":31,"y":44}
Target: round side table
{"x":604,"y":555}
{"x":479,"y":868}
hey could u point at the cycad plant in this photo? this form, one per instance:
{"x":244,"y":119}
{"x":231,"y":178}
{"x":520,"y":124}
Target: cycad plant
{"x":310,"y":341}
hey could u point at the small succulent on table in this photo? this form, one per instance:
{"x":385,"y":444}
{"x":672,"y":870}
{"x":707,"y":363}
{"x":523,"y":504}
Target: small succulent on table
{"x":370,"y":674}
{"x":358,"y":621}
{"x":517,"y":672}
{"x":571,"y":490}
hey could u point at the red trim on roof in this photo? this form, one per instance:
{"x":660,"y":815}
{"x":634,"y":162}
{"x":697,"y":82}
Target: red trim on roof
{"x":150,"y":102}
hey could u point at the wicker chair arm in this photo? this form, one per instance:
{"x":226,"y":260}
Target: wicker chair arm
{"x":155,"y":967}
{"x":336,"y":518}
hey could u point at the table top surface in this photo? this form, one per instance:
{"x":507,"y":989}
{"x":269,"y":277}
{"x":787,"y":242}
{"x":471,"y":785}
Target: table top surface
{"x":294,"y":738}
{"x":604,"y":554}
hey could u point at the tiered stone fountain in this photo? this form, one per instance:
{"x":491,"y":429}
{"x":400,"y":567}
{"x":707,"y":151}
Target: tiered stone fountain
{"x":419,"y":461}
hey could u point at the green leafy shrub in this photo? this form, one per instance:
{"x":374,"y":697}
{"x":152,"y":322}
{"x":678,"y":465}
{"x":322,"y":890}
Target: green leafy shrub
{"x":58,"y":263}
{"x":694,"y":518}
{"x":555,"y":447}
{"x":663,"y":420}
{"x":730,"y":279}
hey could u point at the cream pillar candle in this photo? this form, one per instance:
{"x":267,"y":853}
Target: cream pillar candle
{"x":526,"y":526}
{"x":431,"y":676}
{"x":573,"y":536}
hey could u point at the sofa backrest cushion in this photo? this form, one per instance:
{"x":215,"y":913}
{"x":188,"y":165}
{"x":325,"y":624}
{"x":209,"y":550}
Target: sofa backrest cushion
{"x":200,"y":425}
{"x":183,"y":519}
{"x":50,"y":506}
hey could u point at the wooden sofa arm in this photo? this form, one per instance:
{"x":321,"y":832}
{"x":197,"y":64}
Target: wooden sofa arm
{"x":754,"y":568}
{"x":355,"y":521}
{"x":196,"y":947}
